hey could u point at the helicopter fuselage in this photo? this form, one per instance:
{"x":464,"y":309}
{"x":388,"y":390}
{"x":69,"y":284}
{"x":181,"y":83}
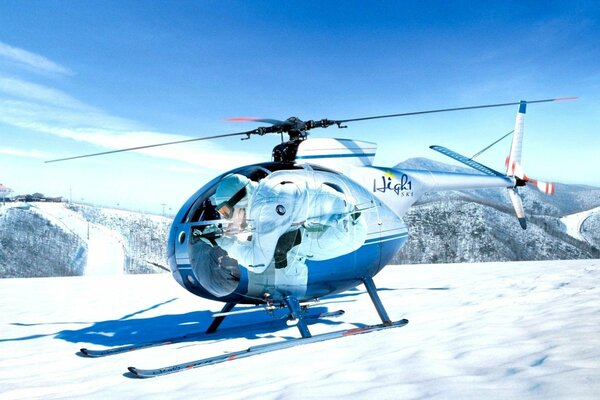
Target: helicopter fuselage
{"x":335,"y":245}
{"x":318,"y":220}
{"x":315,"y":226}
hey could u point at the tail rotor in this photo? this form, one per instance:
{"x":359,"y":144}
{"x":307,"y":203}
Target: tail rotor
{"x":514,"y":168}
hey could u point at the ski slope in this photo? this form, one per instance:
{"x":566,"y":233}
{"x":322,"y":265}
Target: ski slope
{"x":493,"y":330}
{"x":106,"y":254}
{"x":573,"y":222}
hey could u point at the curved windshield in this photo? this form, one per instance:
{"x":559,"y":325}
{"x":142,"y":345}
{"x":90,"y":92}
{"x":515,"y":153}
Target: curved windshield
{"x":267,"y":221}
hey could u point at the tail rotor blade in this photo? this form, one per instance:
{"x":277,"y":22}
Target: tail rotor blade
{"x":544,"y":187}
{"x":517,"y":203}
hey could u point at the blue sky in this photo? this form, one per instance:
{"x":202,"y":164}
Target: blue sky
{"x":90,"y":76}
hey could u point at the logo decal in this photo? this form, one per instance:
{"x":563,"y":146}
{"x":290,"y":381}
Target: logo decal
{"x":402,"y":188}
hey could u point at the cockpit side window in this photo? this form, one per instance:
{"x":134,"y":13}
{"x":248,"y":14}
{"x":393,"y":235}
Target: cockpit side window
{"x":205,"y":209}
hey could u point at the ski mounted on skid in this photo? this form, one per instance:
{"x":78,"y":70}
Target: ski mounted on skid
{"x":296,"y":315}
{"x":265,"y":348}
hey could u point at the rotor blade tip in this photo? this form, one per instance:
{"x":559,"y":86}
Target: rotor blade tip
{"x":241,"y":119}
{"x":566,"y":98}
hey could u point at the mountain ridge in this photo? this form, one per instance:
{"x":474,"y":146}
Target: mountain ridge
{"x":480,"y":225}
{"x":444,"y":227}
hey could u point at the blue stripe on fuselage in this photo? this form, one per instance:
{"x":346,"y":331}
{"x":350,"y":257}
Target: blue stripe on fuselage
{"x":387,"y":238}
{"x":345,"y":272}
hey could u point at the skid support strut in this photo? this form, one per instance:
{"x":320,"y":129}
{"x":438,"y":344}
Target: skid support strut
{"x":372,"y":290}
{"x":296,"y":315}
{"x":217,"y":321}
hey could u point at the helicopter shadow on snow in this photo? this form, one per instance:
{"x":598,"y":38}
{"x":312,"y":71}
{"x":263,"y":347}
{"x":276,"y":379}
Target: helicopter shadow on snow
{"x":136,"y":331}
{"x":132,"y":329}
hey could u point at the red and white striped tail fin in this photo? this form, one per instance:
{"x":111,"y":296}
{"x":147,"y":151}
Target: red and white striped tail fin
{"x":513,"y":161}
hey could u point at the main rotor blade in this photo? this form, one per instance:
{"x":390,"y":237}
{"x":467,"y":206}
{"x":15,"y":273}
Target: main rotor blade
{"x":253,"y":119}
{"x":153,"y":145}
{"x":295,"y":125}
{"x":451,"y":109}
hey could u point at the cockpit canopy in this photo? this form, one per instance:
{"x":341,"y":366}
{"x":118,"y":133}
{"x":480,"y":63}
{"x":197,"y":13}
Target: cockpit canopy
{"x":261,"y":219}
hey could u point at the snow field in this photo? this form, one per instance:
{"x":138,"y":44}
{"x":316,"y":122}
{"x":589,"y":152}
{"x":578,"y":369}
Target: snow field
{"x":489,"y":330}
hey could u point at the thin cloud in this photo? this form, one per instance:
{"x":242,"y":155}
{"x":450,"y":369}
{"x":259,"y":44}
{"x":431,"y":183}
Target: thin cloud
{"x":47,"y":110}
{"x":31,"y":60}
{"x":205,"y":155}
{"x":23,"y":153}
{"x":15,"y":87}
{"x":111,"y":133}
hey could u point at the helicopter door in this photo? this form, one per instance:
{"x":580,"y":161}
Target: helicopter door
{"x":335,"y":226}
{"x":276,"y":215}
{"x":277,"y":212}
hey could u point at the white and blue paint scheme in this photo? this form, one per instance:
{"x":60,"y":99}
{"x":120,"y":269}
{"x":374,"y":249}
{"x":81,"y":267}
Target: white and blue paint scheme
{"x":359,"y":238}
{"x":317,"y":220}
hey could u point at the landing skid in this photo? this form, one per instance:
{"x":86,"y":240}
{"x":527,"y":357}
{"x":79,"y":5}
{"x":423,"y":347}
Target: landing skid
{"x":96,"y":353}
{"x":265,"y":348}
{"x":297,"y":316}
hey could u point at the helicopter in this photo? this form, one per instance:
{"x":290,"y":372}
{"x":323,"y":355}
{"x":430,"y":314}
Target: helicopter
{"x":315,"y":221}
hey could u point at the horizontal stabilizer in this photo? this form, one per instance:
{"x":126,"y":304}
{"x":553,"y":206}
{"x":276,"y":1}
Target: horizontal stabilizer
{"x":467,"y":161}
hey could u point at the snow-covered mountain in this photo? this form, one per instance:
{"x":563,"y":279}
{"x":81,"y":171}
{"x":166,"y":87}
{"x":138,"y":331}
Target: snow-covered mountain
{"x":590,"y":229}
{"x":480,"y":225}
{"x":521,"y":330}
{"x":54,"y":239}
{"x":58,"y":239}
{"x":33,"y":245}
{"x":144,"y":236}
{"x":567,"y":199}
{"x":584,"y":226}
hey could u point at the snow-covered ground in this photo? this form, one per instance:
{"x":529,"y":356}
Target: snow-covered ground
{"x":491,"y":330}
{"x":573,"y":222}
{"x":106,"y":255}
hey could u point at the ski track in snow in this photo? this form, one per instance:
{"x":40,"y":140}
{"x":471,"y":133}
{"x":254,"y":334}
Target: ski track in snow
{"x":106,"y":255}
{"x":573,"y":222}
{"x":105,"y":252}
{"x":491,"y":330}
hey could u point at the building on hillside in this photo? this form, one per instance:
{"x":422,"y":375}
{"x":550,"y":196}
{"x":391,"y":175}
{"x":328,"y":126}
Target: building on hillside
{"x":5,"y":193}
